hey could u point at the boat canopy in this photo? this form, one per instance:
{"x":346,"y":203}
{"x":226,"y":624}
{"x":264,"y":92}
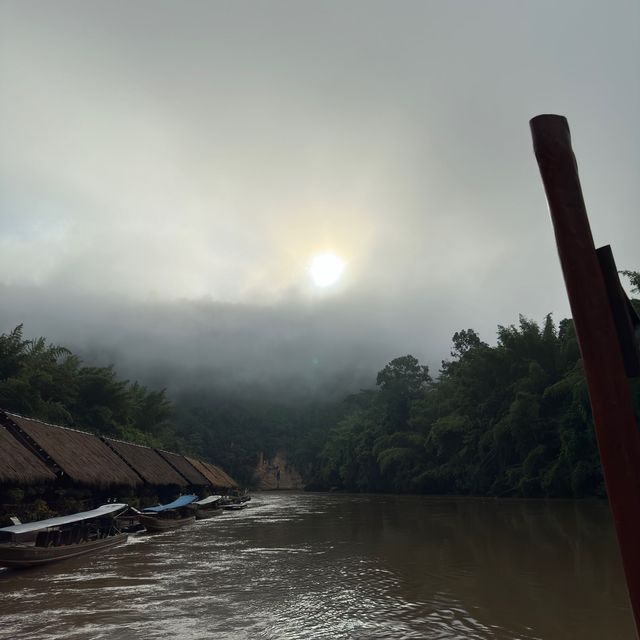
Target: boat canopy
{"x":209,"y":500}
{"x":104,"y":510}
{"x":182,"y":501}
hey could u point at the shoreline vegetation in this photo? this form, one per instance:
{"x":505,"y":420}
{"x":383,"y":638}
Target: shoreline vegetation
{"x":510,"y":420}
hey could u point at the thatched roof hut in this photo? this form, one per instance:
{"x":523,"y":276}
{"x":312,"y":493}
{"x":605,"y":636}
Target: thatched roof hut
{"x":216,"y":476}
{"x":82,"y":456}
{"x":152,"y":467}
{"x":211,"y":477}
{"x":184,"y":468}
{"x":224,"y":476}
{"x":18,"y":464}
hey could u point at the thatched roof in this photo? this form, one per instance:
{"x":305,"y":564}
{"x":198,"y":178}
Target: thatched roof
{"x":82,"y":456}
{"x":211,"y":477}
{"x":18,"y":464}
{"x":224,"y":476}
{"x":153,"y":468}
{"x":29,"y":447}
{"x":216,"y":476}
{"x":185,"y":468}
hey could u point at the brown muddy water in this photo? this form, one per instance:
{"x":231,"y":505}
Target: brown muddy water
{"x":314,"y":566}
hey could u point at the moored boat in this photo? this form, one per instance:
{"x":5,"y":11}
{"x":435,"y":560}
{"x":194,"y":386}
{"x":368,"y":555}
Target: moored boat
{"x":129,"y":521}
{"x":208,"y":507}
{"x":234,"y":502}
{"x":44,"y":541}
{"x":169,"y":516}
{"x":233,"y":505}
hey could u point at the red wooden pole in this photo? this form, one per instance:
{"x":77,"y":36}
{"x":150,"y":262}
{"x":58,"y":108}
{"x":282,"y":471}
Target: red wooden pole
{"x":616,"y":429}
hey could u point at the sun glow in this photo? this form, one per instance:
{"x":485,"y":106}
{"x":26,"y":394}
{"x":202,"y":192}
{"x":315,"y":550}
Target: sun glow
{"x":326,"y":269}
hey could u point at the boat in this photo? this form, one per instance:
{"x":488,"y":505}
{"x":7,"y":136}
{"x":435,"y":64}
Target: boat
{"x":234,"y":502}
{"x":234,"y":506}
{"x":163,"y":517}
{"x":43,"y":541}
{"x":208,"y":507}
{"x":129,"y":521}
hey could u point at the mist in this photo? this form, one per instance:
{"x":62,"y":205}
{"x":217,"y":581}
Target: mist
{"x":292,"y":351}
{"x":168,"y":173}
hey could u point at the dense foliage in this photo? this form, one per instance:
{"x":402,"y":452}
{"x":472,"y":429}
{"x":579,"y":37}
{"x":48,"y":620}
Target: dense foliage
{"x":233,"y":430}
{"x":513,"y":419}
{"x":48,"y":382}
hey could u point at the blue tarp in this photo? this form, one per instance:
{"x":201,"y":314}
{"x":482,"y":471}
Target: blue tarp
{"x":182,"y":501}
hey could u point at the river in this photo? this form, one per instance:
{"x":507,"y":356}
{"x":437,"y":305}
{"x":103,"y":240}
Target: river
{"x":317,"y":566}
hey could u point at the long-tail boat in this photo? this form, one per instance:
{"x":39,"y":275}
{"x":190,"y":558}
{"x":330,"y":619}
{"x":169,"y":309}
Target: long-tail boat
{"x":44,"y":541}
{"x":235,"y":502}
{"x":169,"y":516}
{"x":208,"y":507}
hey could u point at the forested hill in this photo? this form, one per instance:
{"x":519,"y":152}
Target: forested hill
{"x":48,"y":382}
{"x":507,"y":420}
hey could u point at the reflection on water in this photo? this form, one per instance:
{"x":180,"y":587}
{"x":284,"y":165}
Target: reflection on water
{"x":310,"y":566}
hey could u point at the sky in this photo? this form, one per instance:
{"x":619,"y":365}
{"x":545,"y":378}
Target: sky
{"x":169,"y":170}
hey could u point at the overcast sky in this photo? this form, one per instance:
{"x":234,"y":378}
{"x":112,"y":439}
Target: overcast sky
{"x":169,"y":169}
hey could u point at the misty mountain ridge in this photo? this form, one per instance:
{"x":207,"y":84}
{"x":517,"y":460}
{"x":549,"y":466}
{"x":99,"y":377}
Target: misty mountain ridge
{"x":291,"y":352}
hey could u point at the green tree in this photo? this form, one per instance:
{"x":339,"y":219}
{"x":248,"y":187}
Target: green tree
{"x":401,"y":382}
{"x":634,"y":279}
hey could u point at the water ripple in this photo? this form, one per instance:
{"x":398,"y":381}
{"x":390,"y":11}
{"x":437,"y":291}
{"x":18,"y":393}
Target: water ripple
{"x":315,"y":567}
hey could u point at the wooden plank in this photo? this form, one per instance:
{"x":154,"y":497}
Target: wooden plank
{"x":616,"y":429}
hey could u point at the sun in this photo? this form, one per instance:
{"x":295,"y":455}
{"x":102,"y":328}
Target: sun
{"x":326,"y":269}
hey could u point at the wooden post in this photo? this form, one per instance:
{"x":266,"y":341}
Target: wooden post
{"x":616,"y":429}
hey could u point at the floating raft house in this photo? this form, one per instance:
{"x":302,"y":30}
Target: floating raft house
{"x":216,"y":476}
{"x":184,"y":468}
{"x":34,"y":452}
{"x":152,"y":467}
{"x":18,"y":465}
{"x":81,"y":456}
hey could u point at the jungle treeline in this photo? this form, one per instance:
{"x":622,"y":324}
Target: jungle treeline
{"x":48,"y":382}
{"x":507,"y":420}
